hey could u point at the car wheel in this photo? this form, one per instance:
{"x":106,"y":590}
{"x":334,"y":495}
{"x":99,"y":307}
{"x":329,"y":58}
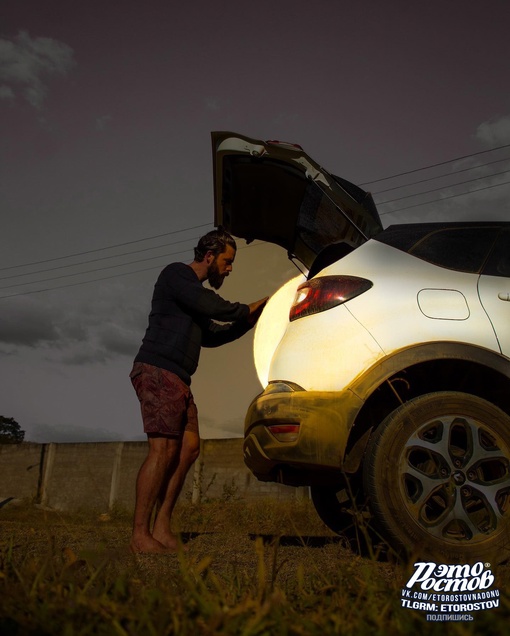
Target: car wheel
{"x":333,"y":505}
{"x":437,"y":476}
{"x":342,"y":509}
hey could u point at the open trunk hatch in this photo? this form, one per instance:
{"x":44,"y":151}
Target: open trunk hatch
{"x":274,"y":192}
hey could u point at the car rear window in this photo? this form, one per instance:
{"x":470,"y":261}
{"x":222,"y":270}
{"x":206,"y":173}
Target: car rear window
{"x":462,"y":247}
{"x":498,"y":263}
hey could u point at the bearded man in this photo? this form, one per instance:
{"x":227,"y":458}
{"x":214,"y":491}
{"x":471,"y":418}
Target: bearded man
{"x":183,"y":318}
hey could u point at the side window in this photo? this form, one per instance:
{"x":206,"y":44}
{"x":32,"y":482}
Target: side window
{"x":462,"y":249}
{"x":499,"y":259}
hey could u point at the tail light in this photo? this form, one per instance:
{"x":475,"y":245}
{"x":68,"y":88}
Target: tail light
{"x":285,"y":432}
{"x":325,"y":292}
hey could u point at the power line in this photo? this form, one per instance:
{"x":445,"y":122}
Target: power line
{"x":441,"y":176}
{"x":101,"y":249}
{"x":95,"y":260}
{"x":94,"y":280}
{"x":149,"y":238}
{"x":453,"y":196}
{"x":451,"y":185}
{"x":91,"y":271}
{"x":435,"y":165}
{"x":92,"y":251}
{"x":84,"y":282}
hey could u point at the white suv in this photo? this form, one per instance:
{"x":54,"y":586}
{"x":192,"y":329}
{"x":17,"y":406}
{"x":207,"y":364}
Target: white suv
{"x":387,"y":364}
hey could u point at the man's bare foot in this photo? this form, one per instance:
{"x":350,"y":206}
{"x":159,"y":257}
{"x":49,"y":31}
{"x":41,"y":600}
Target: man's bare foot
{"x":169,"y":540}
{"x":148,"y":545}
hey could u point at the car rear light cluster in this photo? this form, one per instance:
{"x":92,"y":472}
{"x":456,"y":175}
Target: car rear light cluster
{"x":325,"y":292}
{"x":285,"y":432}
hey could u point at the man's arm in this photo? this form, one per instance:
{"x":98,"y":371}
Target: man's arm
{"x":256,"y":309}
{"x":215,"y":334}
{"x":201,"y":302}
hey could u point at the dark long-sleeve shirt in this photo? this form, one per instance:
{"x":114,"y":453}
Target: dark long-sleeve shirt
{"x":183,"y":318}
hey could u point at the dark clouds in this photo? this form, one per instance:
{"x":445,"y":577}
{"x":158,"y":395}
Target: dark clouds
{"x":25,"y":322}
{"x":495,"y":131}
{"x":87,"y":331}
{"x":26,"y":65}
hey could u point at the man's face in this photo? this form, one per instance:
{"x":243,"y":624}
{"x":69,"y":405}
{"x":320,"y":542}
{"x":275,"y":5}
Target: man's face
{"x":221,"y":267}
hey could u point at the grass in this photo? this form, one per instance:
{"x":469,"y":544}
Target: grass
{"x":250,"y":569}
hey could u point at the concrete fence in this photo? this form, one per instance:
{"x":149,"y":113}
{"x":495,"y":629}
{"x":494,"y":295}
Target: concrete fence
{"x":101,"y":476}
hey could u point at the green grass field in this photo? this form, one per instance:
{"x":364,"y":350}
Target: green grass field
{"x":249,"y":569}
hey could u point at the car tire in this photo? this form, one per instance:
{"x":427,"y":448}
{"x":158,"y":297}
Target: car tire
{"x":437,"y":476}
{"x":334,"y":507}
{"x":342,"y":509}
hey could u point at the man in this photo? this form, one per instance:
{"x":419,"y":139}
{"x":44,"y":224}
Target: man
{"x":183,"y":318}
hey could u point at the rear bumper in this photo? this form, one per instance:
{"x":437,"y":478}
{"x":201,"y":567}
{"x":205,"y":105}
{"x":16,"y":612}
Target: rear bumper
{"x":325,"y":419}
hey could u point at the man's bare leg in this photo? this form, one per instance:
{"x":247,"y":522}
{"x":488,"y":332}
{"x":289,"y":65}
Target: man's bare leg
{"x":162,"y":531}
{"x":162,"y":458}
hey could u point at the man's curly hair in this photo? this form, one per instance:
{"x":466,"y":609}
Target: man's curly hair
{"x":215,"y":241}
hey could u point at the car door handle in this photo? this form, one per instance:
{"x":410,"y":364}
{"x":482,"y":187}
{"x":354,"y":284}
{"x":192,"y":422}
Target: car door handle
{"x":504,"y":296}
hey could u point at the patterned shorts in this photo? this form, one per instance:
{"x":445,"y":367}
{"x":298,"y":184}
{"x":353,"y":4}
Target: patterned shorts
{"x":166,"y":401}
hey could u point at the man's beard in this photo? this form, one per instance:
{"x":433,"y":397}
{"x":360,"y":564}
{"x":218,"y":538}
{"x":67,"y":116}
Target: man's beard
{"x":214,"y":278}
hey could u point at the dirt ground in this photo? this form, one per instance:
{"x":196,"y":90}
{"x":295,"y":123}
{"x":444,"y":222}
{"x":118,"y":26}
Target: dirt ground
{"x":272,"y":563}
{"x":234,"y":538}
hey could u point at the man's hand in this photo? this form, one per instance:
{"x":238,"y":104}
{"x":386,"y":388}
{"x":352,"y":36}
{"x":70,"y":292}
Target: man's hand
{"x":255,"y":310}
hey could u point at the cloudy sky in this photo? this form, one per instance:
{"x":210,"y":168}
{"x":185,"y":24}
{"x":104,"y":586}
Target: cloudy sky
{"x":106,"y":109}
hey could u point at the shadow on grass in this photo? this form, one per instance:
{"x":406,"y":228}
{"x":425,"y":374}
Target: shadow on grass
{"x":296,"y":540}
{"x":271,"y":539}
{"x":374,"y":549}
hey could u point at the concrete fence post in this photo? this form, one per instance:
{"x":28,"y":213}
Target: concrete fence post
{"x":47,"y":469}
{"x":116,"y":470}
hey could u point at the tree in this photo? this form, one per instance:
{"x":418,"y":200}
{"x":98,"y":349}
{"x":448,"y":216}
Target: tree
{"x":10,"y":431}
